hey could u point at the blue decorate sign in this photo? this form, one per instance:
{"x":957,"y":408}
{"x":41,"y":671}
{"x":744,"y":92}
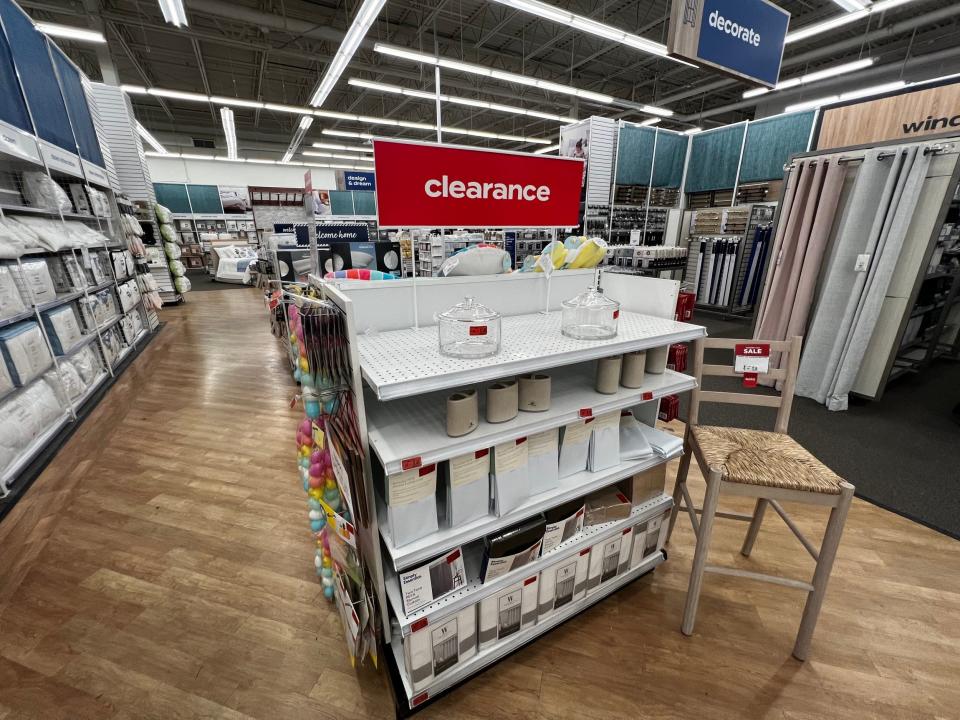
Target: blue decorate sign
{"x":353,"y":180}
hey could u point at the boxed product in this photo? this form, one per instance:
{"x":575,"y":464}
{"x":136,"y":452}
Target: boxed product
{"x":604,"y":442}
{"x":543,"y":451}
{"x":563,"y":523}
{"x":606,"y":558}
{"x":81,"y":203}
{"x":6,"y":382}
{"x":508,"y":611}
{"x":562,"y":583}
{"x":411,"y":498}
{"x":435,"y":647}
{"x":11,"y":303}
{"x":607,"y":505}
{"x":421,"y":586}
{"x":467,"y":487}
{"x":575,"y":447}
{"x":512,"y":548}
{"x":510,"y":475}
{"x":34,"y":281}
{"x":23,"y":416}
{"x":63,"y":328}
{"x":644,"y":485}
{"x":25,"y":352}
{"x":656,"y":534}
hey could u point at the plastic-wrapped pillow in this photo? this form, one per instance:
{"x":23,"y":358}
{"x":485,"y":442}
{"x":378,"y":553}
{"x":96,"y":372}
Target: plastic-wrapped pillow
{"x":163,"y":214}
{"x":48,"y":234}
{"x":40,"y":191}
{"x":177,"y":269}
{"x":11,"y":302}
{"x":588,"y":254}
{"x":6,"y":382}
{"x":182,"y":284}
{"x":14,"y":239}
{"x":87,"y":364}
{"x":480,"y":260}
{"x":68,"y":380}
{"x":168,"y":234}
{"x":172,"y":250}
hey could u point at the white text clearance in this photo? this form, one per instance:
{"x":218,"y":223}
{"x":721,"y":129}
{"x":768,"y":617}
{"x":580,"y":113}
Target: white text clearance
{"x":473,"y":190}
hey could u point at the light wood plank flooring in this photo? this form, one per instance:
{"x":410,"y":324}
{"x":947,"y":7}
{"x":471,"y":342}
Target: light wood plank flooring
{"x":161,"y":568}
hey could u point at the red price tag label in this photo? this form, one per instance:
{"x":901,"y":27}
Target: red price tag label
{"x":478,"y":330}
{"x":647,"y":396}
{"x":616,"y":314}
{"x":586,"y":412}
{"x":411,"y":463}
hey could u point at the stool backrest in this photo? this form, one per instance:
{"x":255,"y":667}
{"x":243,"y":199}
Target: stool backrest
{"x":785,"y":376}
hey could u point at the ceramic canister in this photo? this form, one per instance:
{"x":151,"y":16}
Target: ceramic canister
{"x":631,"y":374}
{"x":657,"y":359}
{"x":463,"y":413}
{"x":502,"y":401}
{"x":534,"y":392}
{"x":608,"y":375}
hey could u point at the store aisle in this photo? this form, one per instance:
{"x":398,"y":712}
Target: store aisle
{"x":161,"y":568}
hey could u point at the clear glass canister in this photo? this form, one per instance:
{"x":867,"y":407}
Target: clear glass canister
{"x":469,"y":330}
{"x":591,"y":315}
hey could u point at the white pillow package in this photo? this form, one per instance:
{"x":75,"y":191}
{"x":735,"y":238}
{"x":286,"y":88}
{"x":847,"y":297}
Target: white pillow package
{"x":39,"y":190}
{"x":25,"y":352}
{"x":68,"y":380}
{"x":63,"y":328}
{"x":182,"y":284}
{"x":14,"y":239}
{"x":177,"y":269}
{"x":48,"y":234}
{"x":11,"y":303}
{"x":33,"y":280}
{"x":24,"y":416}
{"x":172,"y":250}
{"x":87,"y":364}
{"x":6,"y":382}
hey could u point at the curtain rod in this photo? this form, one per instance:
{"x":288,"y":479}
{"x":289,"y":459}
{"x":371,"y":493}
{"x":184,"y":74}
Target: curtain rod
{"x":929,"y":150}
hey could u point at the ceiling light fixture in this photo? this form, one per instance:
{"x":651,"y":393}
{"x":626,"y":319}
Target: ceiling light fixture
{"x":236,"y":102}
{"x":71,"y":33}
{"x":487,"y":72}
{"x":651,"y":121}
{"x":174,"y":12}
{"x":431,"y":97}
{"x":178,"y":95}
{"x":544,"y":151}
{"x":852,"y":95}
{"x":813,"y":77}
{"x":229,"y":131}
{"x":334,"y":146}
{"x":151,"y":140}
{"x":809,"y":31}
{"x":351,"y":41}
{"x":851,"y":5}
{"x":341,"y":156}
{"x":693,"y":131}
{"x":257,"y":161}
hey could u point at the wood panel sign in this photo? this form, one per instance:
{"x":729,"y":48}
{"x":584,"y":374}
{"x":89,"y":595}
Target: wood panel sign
{"x":910,"y":115}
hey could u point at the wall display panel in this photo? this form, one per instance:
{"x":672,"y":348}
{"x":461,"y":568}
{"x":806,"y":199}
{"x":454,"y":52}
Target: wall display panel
{"x":714,"y":159}
{"x":341,"y":202}
{"x":13,"y":109}
{"x":364,"y":203}
{"x":173,"y":196}
{"x":77,"y":109}
{"x":40,"y":84}
{"x":205,"y":199}
{"x":635,"y":155}
{"x":771,"y":142}
{"x":670,"y":157}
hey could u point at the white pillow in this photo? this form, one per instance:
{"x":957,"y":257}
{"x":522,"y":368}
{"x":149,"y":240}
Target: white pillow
{"x":476,"y":261}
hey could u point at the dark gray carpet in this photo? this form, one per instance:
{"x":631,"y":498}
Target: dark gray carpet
{"x":902,"y":453}
{"x":200,"y":281}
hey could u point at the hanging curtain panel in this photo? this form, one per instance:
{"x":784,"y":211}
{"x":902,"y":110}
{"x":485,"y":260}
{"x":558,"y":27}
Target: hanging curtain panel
{"x":634,"y":155}
{"x":173,"y":196}
{"x":714,"y":159}
{"x":13,"y":109}
{"x":669,"y":159}
{"x":770,"y":144}
{"x":364,"y":203}
{"x":77,"y":109}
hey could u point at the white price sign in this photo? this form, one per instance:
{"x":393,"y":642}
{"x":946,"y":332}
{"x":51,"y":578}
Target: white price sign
{"x":752,"y":359}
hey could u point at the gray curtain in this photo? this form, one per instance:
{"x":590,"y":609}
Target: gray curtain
{"x":884,"y":199}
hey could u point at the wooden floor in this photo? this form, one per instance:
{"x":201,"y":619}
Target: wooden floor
{"x":161,"y":568}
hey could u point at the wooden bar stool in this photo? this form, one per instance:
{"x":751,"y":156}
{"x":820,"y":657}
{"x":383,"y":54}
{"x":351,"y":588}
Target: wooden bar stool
{"x":769,"y":466}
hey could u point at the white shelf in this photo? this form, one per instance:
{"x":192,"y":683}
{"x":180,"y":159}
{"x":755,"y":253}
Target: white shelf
{"x":416,"y":426}
{"x":572,"y":487}
{"x":474,"y":591}
{"x":400,"y":363}
{"x":496,"y":652}
{"x":25,"y":315}
{"x":60,"y":300}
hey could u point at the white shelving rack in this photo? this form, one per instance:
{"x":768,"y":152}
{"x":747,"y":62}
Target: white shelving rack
{"x":399,"y":384}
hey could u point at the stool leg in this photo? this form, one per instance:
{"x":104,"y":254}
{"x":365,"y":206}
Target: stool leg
{"x":758,"y":513}
{"x":700,"y":556}
{"x":677,"y":489}
{"x":828,"y":552}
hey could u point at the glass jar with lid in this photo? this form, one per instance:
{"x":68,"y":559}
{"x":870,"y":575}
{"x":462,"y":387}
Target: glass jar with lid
{"x":469,"y":330}
{"x":591,"y":315}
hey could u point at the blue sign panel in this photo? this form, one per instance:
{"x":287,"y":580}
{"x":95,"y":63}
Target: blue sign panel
{"x":744,"y":36}
{"x":354,"y":180}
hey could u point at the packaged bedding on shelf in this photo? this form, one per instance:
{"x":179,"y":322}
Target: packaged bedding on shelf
{"x":46,"y":233}
{"x":163,"y":214}
{"x":67,"y":379}
{"x":15,"y":238}
{"x":82,"y":234}
{"x":24,"y":352}
{"x":80,"y":200}
{"x":6,"y":382}
{"x":87,"y":364}
{"x":131,"y":325}
{"x":34,"y":281}
{"x":25,"y":415}
{"x":11,"y":302}
{"x":41,"y":191}
{"x":63,"y":328}
{"x":129,"y":295}
{"x":182,"y":284}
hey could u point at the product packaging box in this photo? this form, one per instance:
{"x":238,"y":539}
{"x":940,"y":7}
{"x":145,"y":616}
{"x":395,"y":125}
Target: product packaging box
{"x":604,"y":563}
{"x":644,"y":485}
{"x":436,"y":647}
{"x":604,"y":442}
{"x":563,"y":523}
{"x":421,"y":586}
{"x":510,"y":476}
{"x":467,"y":487}
{"x":605,"y":506}
{"x":626,"y":550}
{"x":411,"y":498}
{"x":24,"y":351}
{"x":512,"y":548}
{"x":544,"y":450}
{"x":508,"y":611}
{"x":562,"y":583}
{"x":656,"y":536}
{"x":575,"y":447}
{"x":63,"y":328}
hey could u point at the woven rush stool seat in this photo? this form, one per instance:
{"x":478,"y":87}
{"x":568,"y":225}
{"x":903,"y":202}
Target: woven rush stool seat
{"x":769,"y":459}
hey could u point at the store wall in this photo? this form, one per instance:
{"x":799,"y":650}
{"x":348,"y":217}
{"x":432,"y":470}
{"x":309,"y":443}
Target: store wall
{"x":209,"y":172}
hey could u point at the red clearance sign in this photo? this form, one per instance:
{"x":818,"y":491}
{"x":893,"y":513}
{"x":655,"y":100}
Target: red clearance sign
{"x":430,"y":185}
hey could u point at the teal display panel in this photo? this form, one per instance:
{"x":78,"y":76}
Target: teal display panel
{"x":173,"y":196}
{"x":771,"y":142}
{"x":77,"y":108}
{"x":364,"y":203}
{"x":341,"y":202}
{"x":634,"y":155}
{"x":669,"y":159}
{"x":13,"y":109}
{"x":205,"y":199}
{"x":714,"y":159}
{"x":40,"y":86}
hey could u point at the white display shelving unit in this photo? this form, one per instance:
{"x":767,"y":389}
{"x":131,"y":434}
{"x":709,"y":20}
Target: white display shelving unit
{"x":399,"y":382}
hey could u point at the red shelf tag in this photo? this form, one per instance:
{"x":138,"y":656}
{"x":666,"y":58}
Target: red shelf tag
{"x":426,"y":470}
{"x":481,"y":453}
{"x":478,"y":330}
{"x":586,"y":412}
{"x":421,"y":698}
{"x":411,"y":463}
{"x":418,"y":625}
{"x":647,"y":396}
{"x":530,"y":581}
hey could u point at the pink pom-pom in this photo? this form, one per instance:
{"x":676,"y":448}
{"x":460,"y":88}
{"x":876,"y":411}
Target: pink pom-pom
{"x":315,"y":482}
{"x":316,"y":458}
{"x":316,"y":471}
{"x":305,"y":426}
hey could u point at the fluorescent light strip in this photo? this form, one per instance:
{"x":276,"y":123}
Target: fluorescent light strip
{"x":651,"y":121}
{"x":256,"y":161}
{"x":341,"y":156}
{"x":71,"y":33}
{"x":229,"y":131}
{"x":813,"y":77}
{"x":151,"y":140}
{"x":853,"y":95}
{"x":809,"y":31}
{"x":851,"y":5}
{"x":174,"y":12}
{"x":487,"y":72}
{"x":693,"y":131}
{"x":350,"y":148}
{"x":544,"y":151}
{"x":351,"y":41}
{"x":431,"y":97}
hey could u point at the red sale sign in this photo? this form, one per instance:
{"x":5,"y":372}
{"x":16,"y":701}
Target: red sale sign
{"x":437,"y":186}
